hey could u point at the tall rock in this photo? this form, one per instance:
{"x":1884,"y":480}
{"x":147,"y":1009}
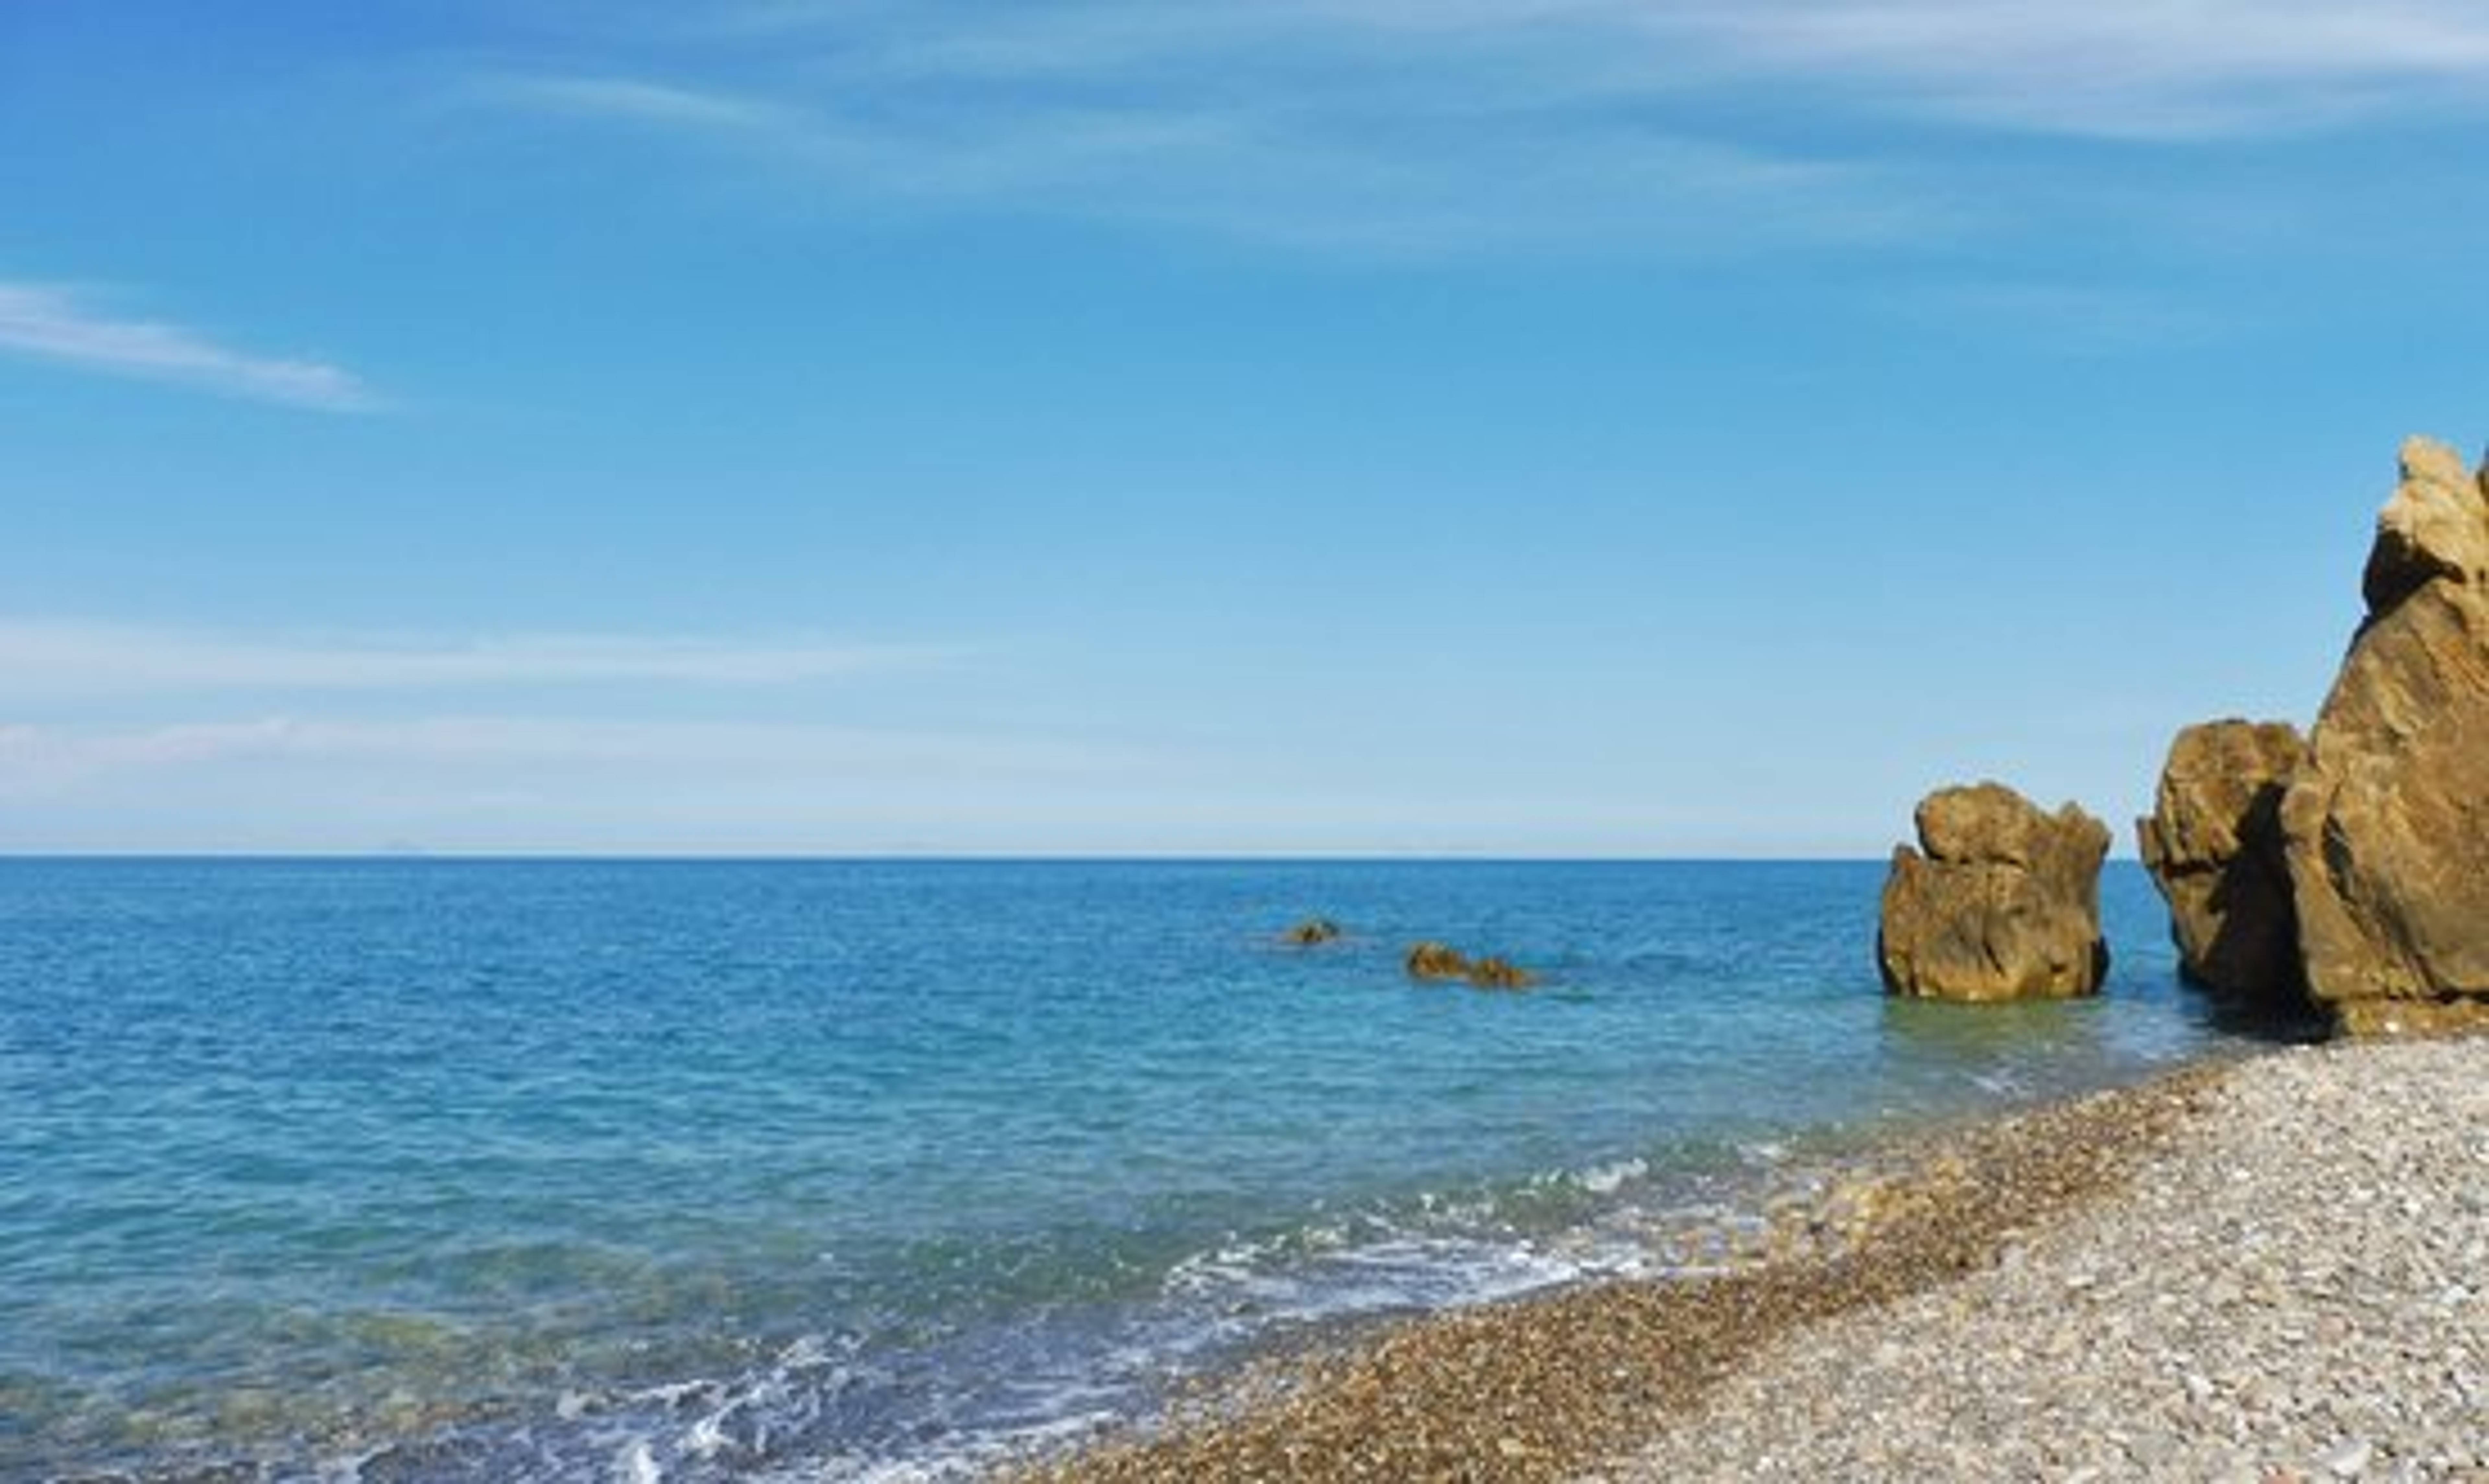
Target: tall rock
{"x":2212,"y":843}
{"x":2003,"y":904}
{"x":2387,"y":826}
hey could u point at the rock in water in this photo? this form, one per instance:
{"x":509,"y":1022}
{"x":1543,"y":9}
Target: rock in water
{"x":1312,"y":932}
{"x":2387,"y":826}
{"x":1437,"y":960}
{"x":1496,"y":972}
{"x":2212,"y":843}
{"x":2004,"y":904}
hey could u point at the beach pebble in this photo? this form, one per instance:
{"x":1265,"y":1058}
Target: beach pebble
{"x":2194,"y":1297}
{"x":2288,"y":1293}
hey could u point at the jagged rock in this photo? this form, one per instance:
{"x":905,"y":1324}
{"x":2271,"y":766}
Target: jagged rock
{"x":1439,"y":960}
{"x":1500,"y":973}
{"x":2432,"y":527}
{"x":1312,"y":932}
{"x":2003,"y":904}
{"x":2212,"y":843}
{"x":2387,"y":826}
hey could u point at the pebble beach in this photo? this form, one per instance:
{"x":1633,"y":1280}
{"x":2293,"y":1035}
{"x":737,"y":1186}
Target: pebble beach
{"x":2270,"y":1268}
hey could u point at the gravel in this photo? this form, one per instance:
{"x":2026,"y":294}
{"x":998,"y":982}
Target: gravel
{"x":2297,"y":1289}
{"x":2265,"y":1271}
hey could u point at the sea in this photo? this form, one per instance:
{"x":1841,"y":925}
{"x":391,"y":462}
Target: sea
{"x":417,"y":1169}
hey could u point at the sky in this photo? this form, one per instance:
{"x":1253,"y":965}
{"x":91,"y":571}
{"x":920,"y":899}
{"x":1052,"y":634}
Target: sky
{"x":1503,"y":427}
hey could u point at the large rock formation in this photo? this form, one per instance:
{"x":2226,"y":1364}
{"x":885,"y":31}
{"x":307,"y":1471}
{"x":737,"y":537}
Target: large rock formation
{"x":2387,"y":826}
{"x":2212,"y":843}
{"x":2003,"y":904}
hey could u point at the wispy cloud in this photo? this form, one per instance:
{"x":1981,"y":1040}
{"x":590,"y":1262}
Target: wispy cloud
{"x":1304,"y":124}
{"x":1302,"y":172}
{"x":54,"y":659}
{"x":537,"y":783}
{"x":54,"y":324}
{"x":56,"y":754}
{"x":143,"y":737}
{"x":2083,"y":320}
{"x":1466,"y":123}
{"x":636,"y":100}
{"x":2107,"y":68}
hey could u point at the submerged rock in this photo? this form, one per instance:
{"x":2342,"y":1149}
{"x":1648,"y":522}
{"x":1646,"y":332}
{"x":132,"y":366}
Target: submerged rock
{"x":1494,"y":971}
{"x":1312,"y":932}
{"x":2214,"y":846}
{"x":2386,"y":827}
{"x":1434,"y":962}
{"x":2003,"y":904}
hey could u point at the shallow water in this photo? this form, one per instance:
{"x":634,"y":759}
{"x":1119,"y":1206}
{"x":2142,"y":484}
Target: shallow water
{"x":417,"y":1169}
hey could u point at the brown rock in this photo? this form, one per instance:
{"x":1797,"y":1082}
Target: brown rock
{"x":1494,"y":971}
{"x":2387,"y":826}
{"x":1437,"y":960}
{"x":1312,"y":932}
{"x":2431,"y":528}
{"x":2004,"y":904}
{"x":2212,"y":843}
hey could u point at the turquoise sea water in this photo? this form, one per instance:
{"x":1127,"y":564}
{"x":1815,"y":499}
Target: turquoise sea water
{"x":512,"y":1170}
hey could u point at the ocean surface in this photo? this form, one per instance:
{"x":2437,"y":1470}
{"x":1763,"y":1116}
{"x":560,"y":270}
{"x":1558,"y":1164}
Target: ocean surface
{"x":416,"y":1169}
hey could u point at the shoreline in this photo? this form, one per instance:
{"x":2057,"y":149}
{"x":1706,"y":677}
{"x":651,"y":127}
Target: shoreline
{"x":1641,"y":1379}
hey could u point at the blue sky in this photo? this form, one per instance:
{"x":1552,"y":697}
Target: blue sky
{"x":1503,"y":426}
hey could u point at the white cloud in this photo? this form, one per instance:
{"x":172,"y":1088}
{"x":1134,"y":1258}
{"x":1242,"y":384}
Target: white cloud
{"x":1295,"y":169}
{"x":633,"y":99}
{"x":551,"y":782}
{"x":2112,"y":67}
{"x":1461,"y":124}
{"x":2072,"y":319}
{"x":52,"y":323}
{"x":137,"y":739}
{"x":48,"y":658}
{"x":51,"y":755}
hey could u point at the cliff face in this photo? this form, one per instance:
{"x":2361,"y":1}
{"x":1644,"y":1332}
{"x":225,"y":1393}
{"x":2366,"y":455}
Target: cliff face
{"x":2350,"y":870}
{"x":2212,"y":843}
{"x":2385,"y":825}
